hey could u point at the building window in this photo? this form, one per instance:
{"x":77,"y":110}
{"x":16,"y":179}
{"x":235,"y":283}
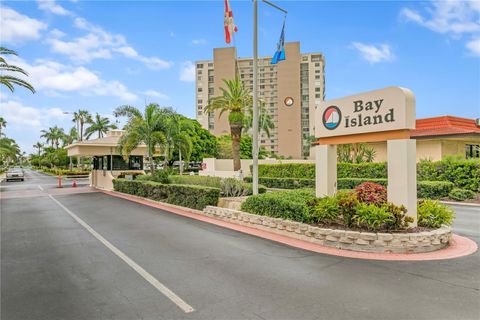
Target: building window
{"x":200,"y":113}
{"x":210,"y":91}
{"x":199,"y":107}
{"x":199,"y":78}
{"x":317,"y":89}
{"x":199,"y":71}
{"x":210,"y":64}
{"x":472,"y":150}
{"x":199,"y":101}
{"x":210,"y":78}
{"x":200,"y":89}
{"x":317,"y":71}
{"x":317,"y":95}
{"x":316,"y":58}
{"x":200,"y":65}
{"x":317,"y":77}
{"x":317,"y":64}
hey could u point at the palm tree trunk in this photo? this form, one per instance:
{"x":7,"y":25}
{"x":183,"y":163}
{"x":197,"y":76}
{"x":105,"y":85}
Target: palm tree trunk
{"x":236,"y":132}
{"x":150,"y":159}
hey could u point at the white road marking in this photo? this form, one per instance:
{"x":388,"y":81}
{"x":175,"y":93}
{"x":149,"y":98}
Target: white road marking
{"x":40,"y":187}
{"x":147,"y":276}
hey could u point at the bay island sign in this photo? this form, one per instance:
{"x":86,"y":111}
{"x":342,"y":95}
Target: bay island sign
{"x":381,"y":115}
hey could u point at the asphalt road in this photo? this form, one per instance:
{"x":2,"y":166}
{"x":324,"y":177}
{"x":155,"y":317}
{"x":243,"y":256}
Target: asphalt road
{"x":52,"y":267}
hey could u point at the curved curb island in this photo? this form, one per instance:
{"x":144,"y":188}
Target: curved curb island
{"x":419,"y":242}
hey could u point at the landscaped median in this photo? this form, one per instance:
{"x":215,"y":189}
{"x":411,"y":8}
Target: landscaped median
{"x":357,"y":220}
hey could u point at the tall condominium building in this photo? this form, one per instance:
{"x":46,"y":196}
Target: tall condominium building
{"x":290,"y":89}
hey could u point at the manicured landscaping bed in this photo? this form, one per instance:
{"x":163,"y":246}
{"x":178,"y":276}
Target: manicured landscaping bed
{"x":190,"y":196}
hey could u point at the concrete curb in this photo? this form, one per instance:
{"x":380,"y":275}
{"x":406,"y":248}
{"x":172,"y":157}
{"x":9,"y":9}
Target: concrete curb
{"x":461,"y":204}
{"x":459,"y":246}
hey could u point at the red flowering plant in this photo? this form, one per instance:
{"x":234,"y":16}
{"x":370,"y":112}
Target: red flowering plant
{"x":371,"y":193}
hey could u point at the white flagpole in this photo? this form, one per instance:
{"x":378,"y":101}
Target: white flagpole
{"x":255,"y":147}
{"x":255,"y":102}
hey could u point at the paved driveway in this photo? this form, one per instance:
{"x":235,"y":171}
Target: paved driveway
{"x":55,"y":268}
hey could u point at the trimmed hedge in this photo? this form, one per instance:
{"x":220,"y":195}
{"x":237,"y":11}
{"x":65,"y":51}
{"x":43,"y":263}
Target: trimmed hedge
{"x":291,"y":205}
{"x":461,"y":194}
{"x":307,"y":170}
{"x":215,"y":182}
{"x":433,"y":189}
{"x":464,"y":173}
{"x":195,"y":197}
{"x":298,"y":183}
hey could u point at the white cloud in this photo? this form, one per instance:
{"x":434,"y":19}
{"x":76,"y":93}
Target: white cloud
{"x":187,"y":72}
{"x":452,"y":17}
{"x":100,"y":44}
{"x":19,"y":115}
{"x":15,"y":27}
{"x":52,"y":7}
{"x":474,"y":46}
{"x":374,"y":54}
{"x":155,"y":94}
{"x":199,"y":42}
{"x":53,"y":78}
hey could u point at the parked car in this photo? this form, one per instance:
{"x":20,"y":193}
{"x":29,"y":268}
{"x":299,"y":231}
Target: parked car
{"x":15,"y":173}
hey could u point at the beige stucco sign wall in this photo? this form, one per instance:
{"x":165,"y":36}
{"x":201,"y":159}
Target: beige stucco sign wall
{"x":387,"y":109}
{"x":380,"y":115}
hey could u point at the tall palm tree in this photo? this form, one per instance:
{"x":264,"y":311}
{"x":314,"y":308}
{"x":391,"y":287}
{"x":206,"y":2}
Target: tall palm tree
{"x":236,"y":100}
{"x":147,"y":127}
{"x":3,"y":124}
{"x":177,"y":136}
{"x":39,"y":147}
{"x":81,"y":117}
{"x":53,"y":136}
{"x":100,"y":125}
{"x":10,"y":80}
{"x":70,"y":137}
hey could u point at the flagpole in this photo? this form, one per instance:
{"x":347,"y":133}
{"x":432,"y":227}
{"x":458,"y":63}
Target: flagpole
{"x":255,"y":98}
{"x":256,"y":131}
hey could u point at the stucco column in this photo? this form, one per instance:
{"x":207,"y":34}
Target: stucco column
{"x":325,"y":170}
{"x":402,"y":175}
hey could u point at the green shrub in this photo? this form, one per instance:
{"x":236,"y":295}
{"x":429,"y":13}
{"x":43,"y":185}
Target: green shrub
{"x":433,"y":214}
{"x":372,"y":217}
{"x":231,"y":188}
{"x":433,"y":189}
{"x":326,"y":210}
{"x":463,"y":173}
{"x":461,"y":194}
{"x":347,"y":202}
{"x":307,"y":170}
{"x":290,"y":205}
{"x":195,"y":197}
{"x":285,"y":183}
{"x":375,"y":170}
{"x":399,"y":220}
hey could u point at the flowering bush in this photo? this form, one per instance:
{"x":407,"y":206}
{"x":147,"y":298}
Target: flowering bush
{"x":371,"y":193}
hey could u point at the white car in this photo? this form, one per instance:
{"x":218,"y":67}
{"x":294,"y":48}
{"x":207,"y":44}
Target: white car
{"x":15,"y":174}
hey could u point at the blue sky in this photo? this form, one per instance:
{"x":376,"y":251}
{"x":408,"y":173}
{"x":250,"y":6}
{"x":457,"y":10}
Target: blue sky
{"x":98,"y":55}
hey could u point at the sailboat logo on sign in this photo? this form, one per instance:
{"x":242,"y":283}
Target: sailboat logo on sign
{"x":332,"y":117}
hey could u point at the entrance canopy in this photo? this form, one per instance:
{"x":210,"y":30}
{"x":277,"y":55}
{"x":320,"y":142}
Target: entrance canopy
{"x":102,"y":146}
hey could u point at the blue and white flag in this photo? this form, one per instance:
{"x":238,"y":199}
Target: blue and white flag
{"x":280,"y":53}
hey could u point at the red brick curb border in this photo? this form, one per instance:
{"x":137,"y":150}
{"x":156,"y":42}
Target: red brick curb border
{"x":459,"y":246}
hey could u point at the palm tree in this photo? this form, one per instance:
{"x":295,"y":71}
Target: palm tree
{"x":81,"y":117}
{"x":100,"y":125}
{"x":236,"y":100}
{"x":148,"y":128}
{"x":10,"y":80}
{"x":3,"y":124}
{"x":53,"y":135}
{"x":264,"y":118}
{"x":39,"y":147}
{"x":71,"y":137}
{"x":177,"y":136}
{"x":8,"y":149}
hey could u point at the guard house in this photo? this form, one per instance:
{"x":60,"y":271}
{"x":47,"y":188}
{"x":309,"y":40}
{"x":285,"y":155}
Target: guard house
{"x":108,"y":164}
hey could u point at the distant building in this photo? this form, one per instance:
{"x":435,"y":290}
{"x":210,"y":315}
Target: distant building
{"x":438,"y":137}
{"x":290,"y":89}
